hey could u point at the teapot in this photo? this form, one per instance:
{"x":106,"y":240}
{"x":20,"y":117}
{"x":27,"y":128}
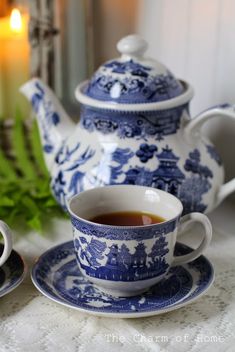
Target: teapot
{"x":134,"y":128}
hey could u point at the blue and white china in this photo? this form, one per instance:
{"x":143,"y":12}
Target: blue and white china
{"x":5,"y":231}
{"x":135,"y":128}
{"x":127,"y":260}
{"x":56,"y":276}
{"x":12,"y":272}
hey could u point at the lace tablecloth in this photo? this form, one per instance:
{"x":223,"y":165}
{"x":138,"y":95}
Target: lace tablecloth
{"x":31,"y":322}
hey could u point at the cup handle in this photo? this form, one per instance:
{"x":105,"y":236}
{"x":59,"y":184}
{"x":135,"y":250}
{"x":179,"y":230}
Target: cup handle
{"x":184,"y":222}
{"x":7,"y":236}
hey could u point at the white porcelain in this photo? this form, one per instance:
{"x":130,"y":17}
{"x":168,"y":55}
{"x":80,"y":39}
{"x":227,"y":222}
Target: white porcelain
{"x":127,"y":260}
{"x":134,"y":128}
{"x":143,"y":107}
{"x":7,"y":237}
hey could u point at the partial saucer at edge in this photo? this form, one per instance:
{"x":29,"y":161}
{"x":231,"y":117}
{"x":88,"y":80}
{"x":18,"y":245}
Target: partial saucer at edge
{"x":12,"y":272}
{"x":56,"y":275}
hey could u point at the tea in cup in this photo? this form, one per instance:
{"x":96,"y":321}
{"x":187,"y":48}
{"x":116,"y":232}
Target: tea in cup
{"x":7,"y":237}
{"x":125,"y":235}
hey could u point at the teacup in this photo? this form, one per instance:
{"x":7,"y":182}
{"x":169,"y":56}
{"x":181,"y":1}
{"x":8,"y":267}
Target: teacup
{"x":7,"y":237}
{"x":126,"y":260}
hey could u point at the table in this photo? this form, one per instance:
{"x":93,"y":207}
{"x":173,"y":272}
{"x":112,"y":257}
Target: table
{"x":31,"y":322}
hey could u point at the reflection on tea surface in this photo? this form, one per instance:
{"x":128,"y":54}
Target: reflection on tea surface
{"x":127,"y":218}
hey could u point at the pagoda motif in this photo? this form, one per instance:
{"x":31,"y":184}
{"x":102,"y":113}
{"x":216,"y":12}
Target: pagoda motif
{"x":118,"y":263}
{"x":140,"y":256}
{"x":168,"y":176}
{"x":112,"y":256}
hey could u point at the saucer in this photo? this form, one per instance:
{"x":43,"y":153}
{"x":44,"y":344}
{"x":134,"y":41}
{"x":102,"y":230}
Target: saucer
{"x":56,"y":275}
{"x":12,"y":272}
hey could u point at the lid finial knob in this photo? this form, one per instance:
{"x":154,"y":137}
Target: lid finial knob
{"x":133,"y":46}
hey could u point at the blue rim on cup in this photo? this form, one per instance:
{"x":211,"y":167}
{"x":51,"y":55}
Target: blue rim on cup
{"x":127,"y":260}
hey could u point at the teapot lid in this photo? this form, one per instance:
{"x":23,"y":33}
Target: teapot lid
{"x":130,"y":79}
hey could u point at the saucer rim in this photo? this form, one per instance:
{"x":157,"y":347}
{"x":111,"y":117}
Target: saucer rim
{"x":20,"y":278}
{"x":129,"y":315}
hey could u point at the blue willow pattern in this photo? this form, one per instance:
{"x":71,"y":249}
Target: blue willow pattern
{"x":67,"y":284}
{"x":117,"y":263}
{"x":189,"y":187}
{"x":140,"y":85}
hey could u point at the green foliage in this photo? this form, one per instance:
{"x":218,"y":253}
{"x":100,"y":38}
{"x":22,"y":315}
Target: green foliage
{"x":25,"y":196}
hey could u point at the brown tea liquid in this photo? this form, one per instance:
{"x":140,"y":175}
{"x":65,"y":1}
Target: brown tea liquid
{"x":127,"y":218}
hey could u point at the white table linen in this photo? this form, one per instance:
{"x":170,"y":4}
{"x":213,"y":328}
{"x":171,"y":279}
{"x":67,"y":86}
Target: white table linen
{"x":31,"y":322}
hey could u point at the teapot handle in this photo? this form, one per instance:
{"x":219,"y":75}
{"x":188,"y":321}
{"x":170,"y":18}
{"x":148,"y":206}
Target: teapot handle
{"x":192,"y":133}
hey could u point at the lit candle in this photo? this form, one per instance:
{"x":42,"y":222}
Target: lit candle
{"x":14,"y":62}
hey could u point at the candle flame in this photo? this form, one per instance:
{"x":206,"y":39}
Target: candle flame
{"x":16,"y":21}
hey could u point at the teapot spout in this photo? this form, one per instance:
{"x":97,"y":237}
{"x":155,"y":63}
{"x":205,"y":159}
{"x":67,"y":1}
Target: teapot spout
{"x":54,"y":124}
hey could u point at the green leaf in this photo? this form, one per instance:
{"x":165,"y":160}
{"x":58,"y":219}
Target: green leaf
{"x":6,"y":168}
{"x":19,"y":143}
{"x":37,"y":149}
{"x":35,"y":223}
{"x":25,"y":199}
{"x":30,"y":204}
{"x":50,"y":203}
{"x":6,"y":202}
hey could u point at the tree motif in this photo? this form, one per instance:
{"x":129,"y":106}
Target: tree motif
{"x":191,"y":193}
{"x":121,"y":157}
{"x":193,"y":164}
{"x":146,"y":152}
{"x":195,"y":186}
{"x":159,"y":249}
{"x":93,"y":251}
